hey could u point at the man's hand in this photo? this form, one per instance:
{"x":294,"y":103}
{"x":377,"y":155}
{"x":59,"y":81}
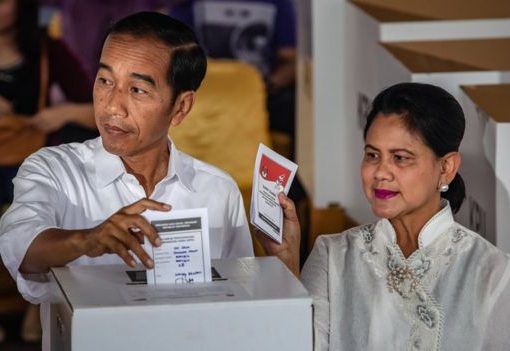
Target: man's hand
{"x":288,"y":250}
{"x":124,"y":232}
{"x":121,"y":233}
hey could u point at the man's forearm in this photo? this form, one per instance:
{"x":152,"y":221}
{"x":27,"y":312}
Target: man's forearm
{"x":54,"y":248}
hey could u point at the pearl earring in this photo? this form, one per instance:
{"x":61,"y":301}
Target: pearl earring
{"x":444,"y":188}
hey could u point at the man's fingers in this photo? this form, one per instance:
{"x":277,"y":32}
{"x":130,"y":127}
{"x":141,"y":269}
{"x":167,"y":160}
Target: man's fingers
{"x":289,"y":209}
{"x":124,"y":241}
{"x":146,"y":204}
{"x":117,"y":247}
{"x":139,"y":225}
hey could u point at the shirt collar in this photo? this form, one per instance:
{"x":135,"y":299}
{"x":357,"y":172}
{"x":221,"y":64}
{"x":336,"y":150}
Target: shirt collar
{"x":109,"y":167}
{"x":437,"y":225}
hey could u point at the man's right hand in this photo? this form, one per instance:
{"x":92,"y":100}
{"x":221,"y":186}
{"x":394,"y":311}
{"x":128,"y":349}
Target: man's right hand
{"x":124,"y":231}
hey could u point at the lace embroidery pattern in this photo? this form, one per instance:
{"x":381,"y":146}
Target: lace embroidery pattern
{"x":409,"y":277}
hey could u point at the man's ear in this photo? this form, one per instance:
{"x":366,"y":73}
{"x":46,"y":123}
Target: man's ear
{"x":450,"y":164}
{"x":182,"y":106}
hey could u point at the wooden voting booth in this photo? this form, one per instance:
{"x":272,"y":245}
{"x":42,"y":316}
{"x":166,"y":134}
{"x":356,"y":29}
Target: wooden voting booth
{"x":379,"y":43}
{"x":488,"y":188}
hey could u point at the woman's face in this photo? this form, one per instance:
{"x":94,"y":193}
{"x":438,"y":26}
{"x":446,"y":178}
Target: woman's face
{"x":400,"y":173}
{"x":7,"y":14}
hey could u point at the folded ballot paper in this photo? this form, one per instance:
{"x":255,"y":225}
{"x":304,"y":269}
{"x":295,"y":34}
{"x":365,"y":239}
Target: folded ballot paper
{"x":272,"y":174}
{"x":184,"y":256}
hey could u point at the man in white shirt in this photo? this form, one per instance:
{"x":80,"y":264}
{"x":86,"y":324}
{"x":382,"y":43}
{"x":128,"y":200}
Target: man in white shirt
{"x":81,"y":203}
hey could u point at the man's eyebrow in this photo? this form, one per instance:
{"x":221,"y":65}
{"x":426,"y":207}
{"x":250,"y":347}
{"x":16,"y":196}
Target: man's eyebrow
{"x":140,"y":76}
{"x":144,"y":77}
{"x":105,"y":66}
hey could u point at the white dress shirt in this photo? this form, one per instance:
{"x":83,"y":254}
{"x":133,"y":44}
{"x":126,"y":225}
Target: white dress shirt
{"x":79,"y":185}
{"x":453,"y":293}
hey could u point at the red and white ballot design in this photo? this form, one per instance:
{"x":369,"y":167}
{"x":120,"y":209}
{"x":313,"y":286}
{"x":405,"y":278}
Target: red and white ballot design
{"x":272,"y":174}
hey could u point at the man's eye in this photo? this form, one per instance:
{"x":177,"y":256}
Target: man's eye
{"x":400,"y":158}
{"x":138,"y":90}
{"x":103,"y":81}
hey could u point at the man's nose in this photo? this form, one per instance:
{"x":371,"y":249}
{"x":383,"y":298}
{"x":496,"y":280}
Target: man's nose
{"x":116,"y":105}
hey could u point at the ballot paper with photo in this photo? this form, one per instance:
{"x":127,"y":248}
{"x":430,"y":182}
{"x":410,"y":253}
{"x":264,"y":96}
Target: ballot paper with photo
{"x":272,"y":174}
{"x":184,"y":255}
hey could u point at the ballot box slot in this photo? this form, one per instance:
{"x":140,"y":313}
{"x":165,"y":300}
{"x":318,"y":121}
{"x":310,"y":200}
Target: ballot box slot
{"x":139,"y":277}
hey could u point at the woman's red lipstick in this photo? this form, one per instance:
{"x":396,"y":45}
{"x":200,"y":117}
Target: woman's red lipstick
{"x":384,"y":194}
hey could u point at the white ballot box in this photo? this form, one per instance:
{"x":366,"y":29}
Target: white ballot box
{"x":252,"y":304}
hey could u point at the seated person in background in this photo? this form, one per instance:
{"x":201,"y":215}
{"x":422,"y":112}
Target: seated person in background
{"x":23,"y":46}
{"x":259,"y":32}
{"x":84,"y":24}
{"x":416,"y":279}
{"x":79,"y":203}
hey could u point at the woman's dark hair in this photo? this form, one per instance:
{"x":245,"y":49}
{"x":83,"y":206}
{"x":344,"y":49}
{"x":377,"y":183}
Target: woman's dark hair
{"x":432,"y":113}
{"x":188,"y":62}
{"x":26,"y":29}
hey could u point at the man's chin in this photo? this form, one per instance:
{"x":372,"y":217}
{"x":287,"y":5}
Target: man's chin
{"x":114,"y":149}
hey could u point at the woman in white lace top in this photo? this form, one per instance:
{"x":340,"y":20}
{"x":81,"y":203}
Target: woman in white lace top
{"x":416,"y":279}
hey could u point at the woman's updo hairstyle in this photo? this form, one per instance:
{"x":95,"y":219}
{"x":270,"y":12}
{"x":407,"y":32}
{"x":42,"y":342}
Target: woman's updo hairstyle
{"x":433,"y":114}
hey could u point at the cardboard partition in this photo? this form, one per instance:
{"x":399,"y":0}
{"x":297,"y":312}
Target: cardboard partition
{"x":488,"y":166}
{"x":342,"y":65}
{"x":414,"y":10}
{"x":453,"y":55}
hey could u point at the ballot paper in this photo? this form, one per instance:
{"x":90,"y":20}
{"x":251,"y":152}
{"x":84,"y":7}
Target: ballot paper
{"x":272,"y":174}
{"x":184,"y":256}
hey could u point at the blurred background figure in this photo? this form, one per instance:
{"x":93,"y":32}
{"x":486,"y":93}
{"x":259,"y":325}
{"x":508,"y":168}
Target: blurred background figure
{"x":30,"y":64}
{"x":84,"y":23}
{"x":259,"y":32}
{"x":263,"y":34}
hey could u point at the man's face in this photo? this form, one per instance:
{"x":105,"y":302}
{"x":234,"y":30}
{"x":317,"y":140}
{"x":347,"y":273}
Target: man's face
{"x":132,"y":97}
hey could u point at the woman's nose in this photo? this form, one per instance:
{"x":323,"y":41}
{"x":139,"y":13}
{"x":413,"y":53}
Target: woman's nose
{"x":383,"y":171}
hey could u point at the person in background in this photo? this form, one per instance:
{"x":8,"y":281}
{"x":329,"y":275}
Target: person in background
{"x":259,"y":32}
{"x":415,"y":279}
{"x":23,"y":46}
{"x":81,"y":203}
{"x":84,"y":24}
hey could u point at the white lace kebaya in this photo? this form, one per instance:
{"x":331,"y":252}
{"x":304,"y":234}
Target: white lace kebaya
{"x":453,"y":293}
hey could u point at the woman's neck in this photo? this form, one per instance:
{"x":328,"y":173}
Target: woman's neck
{"x":408,"y":227}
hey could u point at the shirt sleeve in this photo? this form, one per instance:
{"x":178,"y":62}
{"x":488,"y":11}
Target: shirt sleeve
{"x":315,"y":278}
{"x":239,"y":243}
{"x":36,"y":200}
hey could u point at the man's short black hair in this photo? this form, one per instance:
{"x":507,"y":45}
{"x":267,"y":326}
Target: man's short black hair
{"x":188,"y":62}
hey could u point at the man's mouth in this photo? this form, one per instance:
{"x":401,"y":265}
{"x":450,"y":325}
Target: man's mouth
{"x":384,"y":194}
{"x":114,"y":130}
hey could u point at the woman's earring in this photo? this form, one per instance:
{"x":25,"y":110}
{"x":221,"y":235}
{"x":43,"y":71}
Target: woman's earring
{"x":443,"y":188}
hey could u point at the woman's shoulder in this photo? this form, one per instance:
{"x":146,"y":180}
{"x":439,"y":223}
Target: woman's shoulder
{"x":481,"y":247}
{"x":347,"y":237}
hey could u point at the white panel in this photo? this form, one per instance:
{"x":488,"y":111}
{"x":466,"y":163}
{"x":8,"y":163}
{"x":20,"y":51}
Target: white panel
{"x":445,"y":30}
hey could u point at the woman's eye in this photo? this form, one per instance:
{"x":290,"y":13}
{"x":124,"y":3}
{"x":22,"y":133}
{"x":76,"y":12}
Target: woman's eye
{"x":369,"y":156}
